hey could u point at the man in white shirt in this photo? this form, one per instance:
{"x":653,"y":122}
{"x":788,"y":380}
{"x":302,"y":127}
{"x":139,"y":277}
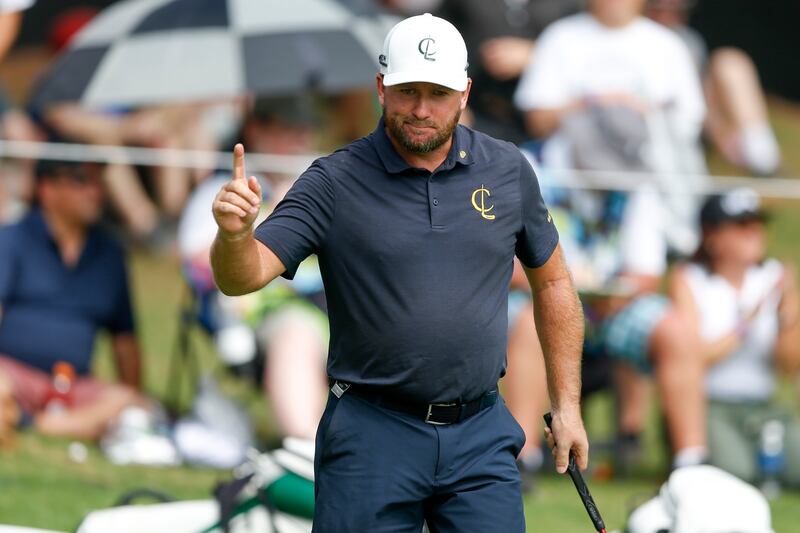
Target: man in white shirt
{"x":592,"y":89}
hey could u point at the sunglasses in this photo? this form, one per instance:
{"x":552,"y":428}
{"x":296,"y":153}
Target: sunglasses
{"x":76,"y":176}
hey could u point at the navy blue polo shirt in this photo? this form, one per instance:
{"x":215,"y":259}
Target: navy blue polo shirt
{"x":52,"y":312}
{"x":416,"y":265}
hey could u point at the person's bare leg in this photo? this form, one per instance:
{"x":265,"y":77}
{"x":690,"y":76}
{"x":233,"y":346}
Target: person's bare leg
{"x":525,"y":389}
{"x":130,"y":200}
{"x":295,"y":375}
{"x":89,"y":421}
{"x":172,"y":183}
{"x":632,"y":389}
{"x":678,"y":370}
{"x":737,"y":121}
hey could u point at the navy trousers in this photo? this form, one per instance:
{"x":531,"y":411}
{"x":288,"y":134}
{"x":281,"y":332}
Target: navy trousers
{"x":379,"y":470}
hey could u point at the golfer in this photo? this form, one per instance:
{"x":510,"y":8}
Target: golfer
{"x":416,"y":227}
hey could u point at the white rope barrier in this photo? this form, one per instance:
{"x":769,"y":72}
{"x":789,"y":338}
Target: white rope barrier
{"x":776,"y":188}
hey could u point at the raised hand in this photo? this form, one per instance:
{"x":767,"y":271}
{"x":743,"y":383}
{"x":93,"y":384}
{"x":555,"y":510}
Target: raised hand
{"x":238,"y":202}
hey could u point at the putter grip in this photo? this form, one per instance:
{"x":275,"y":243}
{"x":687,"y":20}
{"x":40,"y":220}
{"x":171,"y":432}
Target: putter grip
{"x":580,"y":486}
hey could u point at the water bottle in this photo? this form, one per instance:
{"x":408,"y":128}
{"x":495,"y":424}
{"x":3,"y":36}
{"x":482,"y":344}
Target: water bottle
{"x":59,"y":397}
{"x":771,"y":457}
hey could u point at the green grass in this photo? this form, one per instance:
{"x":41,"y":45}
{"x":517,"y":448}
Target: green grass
{"x":41,"y":487}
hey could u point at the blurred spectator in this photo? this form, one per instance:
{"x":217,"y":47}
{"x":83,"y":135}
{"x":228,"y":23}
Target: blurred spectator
{"x":284,"y":321}
{"x":594,"y":89}
{"x":61,"y":280}
{"x":10,"y":20}
{"x":525,"y":383}
{"x":501,"y":37}
{"x":165,"y":127}
{"x":16,"y":185}
{"x":746,"y":308}
{"x":178,"y":126}
{"x":611,"y":90}
{"x":737,"y":122}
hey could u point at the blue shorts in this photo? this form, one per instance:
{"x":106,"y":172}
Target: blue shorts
{"x":378,"y":470}
{"x":625,"y":335}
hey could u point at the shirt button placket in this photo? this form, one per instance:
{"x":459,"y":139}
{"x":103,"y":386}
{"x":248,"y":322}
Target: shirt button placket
{"x":433,"y":199}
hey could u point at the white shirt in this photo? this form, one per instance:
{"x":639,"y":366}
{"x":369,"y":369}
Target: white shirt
{"x":747,"y":373}
{"x":577,"y":57}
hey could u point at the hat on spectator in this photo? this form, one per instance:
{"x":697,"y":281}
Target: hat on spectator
{"x":424,"y":48}
{"x":737,"y":205}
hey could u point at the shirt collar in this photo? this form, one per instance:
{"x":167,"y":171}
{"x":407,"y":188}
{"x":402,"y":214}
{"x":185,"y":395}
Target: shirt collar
{"x":460,"y":151}
{"x":38,"y":225}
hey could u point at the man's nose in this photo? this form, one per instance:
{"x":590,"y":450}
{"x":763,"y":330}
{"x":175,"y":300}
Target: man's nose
{"x":422,"y":108}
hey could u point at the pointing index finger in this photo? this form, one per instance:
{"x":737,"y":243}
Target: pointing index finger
{"x":238,"y":162}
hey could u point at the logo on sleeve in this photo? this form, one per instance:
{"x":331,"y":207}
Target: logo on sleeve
{"x":479,"y":202}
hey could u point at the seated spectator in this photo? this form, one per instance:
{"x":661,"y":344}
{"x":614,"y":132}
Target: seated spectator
{"x":284,"y":321}
{"x":16,"y":185}
{"x":737,"y":122}
{"x":611,"y":90}
{"x":14,"y":124}
{"x":595,"y":82}
{"x":746,"y":309}
{"x":10,"y":21}
{"x":61,"y":280}
{"x":163,"y":127}
{"x":501,"y":40}
{"x":178,"y":126}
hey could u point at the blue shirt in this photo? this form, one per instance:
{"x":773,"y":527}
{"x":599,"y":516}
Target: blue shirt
{"x":416,"y":265}
{"x":52,"y":312}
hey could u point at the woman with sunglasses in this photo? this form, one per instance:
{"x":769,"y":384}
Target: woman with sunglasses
{"x":747,"y":312}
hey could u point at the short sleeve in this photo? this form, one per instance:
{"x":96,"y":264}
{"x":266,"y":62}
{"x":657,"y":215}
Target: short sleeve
{"x":299,"y":224}
{"x":537,"y":237}
{"x":121,"y":318}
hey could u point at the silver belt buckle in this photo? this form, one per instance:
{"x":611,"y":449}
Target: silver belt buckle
{"x":339,"y":389}
{"x":430,"y":408}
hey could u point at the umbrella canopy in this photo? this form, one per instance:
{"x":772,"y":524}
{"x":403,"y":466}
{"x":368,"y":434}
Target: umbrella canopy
{"x":141,"y":52}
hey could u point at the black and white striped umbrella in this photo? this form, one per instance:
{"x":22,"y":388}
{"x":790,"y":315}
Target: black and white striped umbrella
{"x":141,"y":52}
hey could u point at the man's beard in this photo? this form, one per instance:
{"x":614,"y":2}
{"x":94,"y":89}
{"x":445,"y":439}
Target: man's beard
{"x":395,"y":125}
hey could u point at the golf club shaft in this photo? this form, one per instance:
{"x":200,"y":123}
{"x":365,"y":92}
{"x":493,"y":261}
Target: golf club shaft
{"x":583,"y":491}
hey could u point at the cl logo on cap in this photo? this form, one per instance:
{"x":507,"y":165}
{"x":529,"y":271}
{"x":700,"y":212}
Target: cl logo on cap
{"x":424,"y":48}
{"x":481,"y":208}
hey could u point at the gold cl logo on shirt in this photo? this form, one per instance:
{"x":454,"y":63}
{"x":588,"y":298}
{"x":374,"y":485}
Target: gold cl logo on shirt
{"x":479,"y":202}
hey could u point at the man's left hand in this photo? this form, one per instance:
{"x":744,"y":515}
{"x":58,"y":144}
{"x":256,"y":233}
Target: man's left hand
{"x":568,"y":435}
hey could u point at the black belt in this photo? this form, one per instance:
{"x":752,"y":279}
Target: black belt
{"x":439,"y":414}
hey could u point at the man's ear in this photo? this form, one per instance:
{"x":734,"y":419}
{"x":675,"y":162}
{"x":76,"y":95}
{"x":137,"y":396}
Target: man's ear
{"x":465,"y":94}
{"x":381,"y":87}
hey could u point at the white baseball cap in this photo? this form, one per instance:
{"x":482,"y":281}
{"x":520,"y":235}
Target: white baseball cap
{"x":424,"y":48}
